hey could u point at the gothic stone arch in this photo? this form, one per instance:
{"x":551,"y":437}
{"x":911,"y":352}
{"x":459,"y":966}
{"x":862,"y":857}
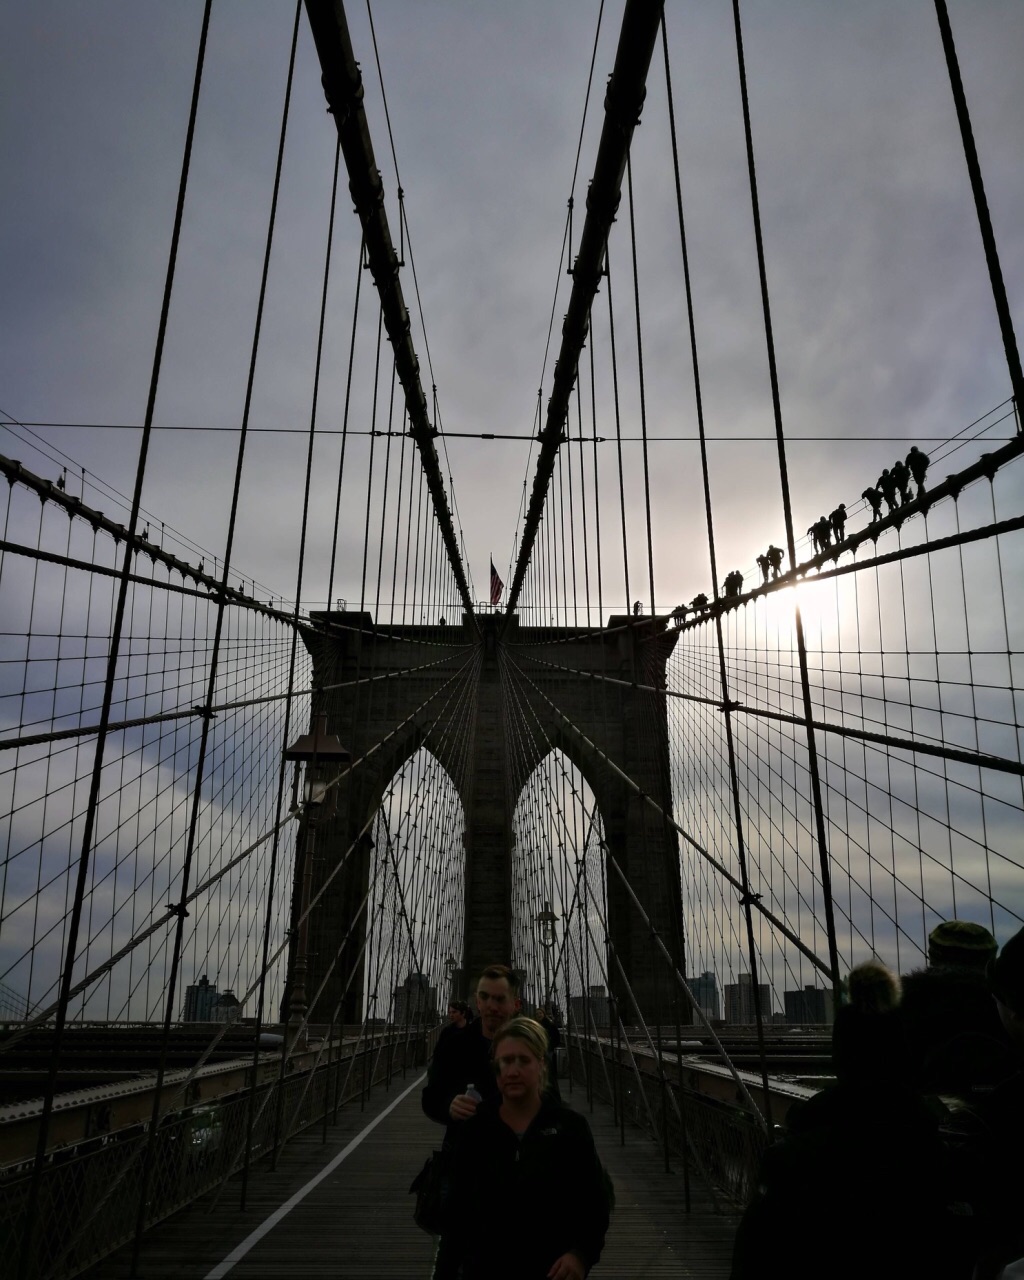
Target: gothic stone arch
{"x":467,"y":722}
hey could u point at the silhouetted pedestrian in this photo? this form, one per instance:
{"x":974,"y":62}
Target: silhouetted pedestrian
{"x":678,"y":614}
{"x":775,"y":557}
{"x":992,"y":1159}
{"x":873,"y":497}
{"x":764,"y":564}
{"x":867,"y":1143}
{"x":918,"y":461}
{"x":887,"y":483}
{"x":824,"y":533}
{"x":838,"y":521}
{"x":954,"y":1041}
{"x":901,"y":474}
{"x":699,"y":602}
{"x":812,"y":533}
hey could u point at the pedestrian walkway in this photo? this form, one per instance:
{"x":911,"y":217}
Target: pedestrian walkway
{"x":341,"y":1209}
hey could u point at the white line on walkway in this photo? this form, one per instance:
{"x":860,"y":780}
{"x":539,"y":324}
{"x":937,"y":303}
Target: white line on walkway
{"x":254,"y":1237}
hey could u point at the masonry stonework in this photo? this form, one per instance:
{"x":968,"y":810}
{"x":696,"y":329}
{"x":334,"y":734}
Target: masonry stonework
{"x":496,"y":700}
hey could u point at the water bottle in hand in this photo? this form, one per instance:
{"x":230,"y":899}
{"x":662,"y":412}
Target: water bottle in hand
{"x":474,"y":1093}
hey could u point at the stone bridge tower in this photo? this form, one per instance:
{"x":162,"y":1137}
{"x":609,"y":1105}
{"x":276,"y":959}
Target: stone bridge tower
{"x":558,"y":704}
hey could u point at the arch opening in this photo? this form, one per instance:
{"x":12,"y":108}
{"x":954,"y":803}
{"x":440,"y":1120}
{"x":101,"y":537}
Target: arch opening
{"x":415,"y":911}
{"x":559,"y":894}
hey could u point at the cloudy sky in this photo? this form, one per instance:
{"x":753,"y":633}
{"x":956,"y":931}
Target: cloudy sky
{"x":883,"y":315}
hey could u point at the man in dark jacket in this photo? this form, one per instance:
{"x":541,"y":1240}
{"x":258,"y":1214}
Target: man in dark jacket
{"x":462,"y":1058}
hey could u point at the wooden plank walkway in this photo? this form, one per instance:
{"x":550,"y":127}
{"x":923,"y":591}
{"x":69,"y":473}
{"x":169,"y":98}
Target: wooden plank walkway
{"x":357,"y":1220}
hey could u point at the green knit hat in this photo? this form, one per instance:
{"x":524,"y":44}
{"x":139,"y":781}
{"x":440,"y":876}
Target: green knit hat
{"x":961,"y":942}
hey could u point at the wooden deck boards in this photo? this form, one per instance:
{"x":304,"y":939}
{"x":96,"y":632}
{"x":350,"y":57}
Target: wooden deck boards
{"x":357,"y":1222}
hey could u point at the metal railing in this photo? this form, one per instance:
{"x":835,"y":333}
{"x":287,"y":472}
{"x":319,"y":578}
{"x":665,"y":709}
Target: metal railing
{"x":87,"y":1209}
{"x":719,"y":1139}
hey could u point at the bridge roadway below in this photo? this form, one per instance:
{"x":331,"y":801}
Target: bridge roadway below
{"x":351,"y":1215}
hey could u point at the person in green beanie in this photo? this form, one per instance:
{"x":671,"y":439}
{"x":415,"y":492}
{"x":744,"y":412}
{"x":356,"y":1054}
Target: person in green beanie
{"x":954,"y":1042}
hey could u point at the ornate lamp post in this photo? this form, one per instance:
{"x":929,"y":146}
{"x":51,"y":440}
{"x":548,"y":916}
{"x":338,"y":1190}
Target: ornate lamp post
{"x":450,"y":965}
{"x":317,"y":757}
{"x":546,"y":925}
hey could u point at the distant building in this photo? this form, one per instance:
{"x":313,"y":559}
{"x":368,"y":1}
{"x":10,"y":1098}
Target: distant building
{"x":705,"y":993}
{"x":813,"y":1005}
{"x":228,"y":1008}
{"x":739,"y":1001}
{"x":201,"y":1001}
{"x":600,"y":1009}
{"x":416,"y":1001}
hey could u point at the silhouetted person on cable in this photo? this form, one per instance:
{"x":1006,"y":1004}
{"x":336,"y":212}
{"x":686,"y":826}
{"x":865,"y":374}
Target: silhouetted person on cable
{"x":824,"y":533}
{"x":873,"y":497}
{"x":917,"y":462}
{"x":812,"y":533}
{"x":838,"y":522}
{"x":678,"y":614}
{"x":699,"y":602}
{"x":764,"y":564}
{"x":733,"y":584}
{"x":901,"y":474}
{"x":887,"y":484}
{"x":775,"y":558}
{"x":637,"y":606}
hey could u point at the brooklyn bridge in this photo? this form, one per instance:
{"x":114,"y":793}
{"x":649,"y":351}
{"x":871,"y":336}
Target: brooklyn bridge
{"x":723,"y":713}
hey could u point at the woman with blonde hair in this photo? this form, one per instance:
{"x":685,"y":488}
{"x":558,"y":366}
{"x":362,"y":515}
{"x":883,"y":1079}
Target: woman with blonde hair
{"x":526,"y":1155}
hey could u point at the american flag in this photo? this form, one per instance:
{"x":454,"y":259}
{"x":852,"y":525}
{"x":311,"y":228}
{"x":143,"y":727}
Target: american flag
{"x":497,"y":586}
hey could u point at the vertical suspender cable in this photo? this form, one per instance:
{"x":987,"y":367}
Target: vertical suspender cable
{"x":28,"y":1231}
{"x":344,"y":424}
{"x":640,"y":377}
{"x":261,"y":999}
{"x":214,"y":664}
{"x":618,"y":435}
{"x":981,"y":204}
{"x":812,"y":749}
{"x":723,"y":675}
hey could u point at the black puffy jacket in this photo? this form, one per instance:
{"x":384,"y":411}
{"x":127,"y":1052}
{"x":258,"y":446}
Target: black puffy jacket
{"x":549,"y":1182}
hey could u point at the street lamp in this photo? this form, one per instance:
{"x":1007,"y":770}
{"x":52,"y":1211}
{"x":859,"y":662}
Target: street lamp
{"x":316,"y":756}
{"x":450,"y":965}
{"x":546,"y":924}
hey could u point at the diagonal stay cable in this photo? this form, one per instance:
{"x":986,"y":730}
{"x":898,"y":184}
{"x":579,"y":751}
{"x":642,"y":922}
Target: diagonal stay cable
{"x":1000,"y":764}
{"x":695,"y":845}
{"x":647,"y":921}
{"x":171,"y":912}
{"x":58,"y":735}
{"x":31,"y":1212}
